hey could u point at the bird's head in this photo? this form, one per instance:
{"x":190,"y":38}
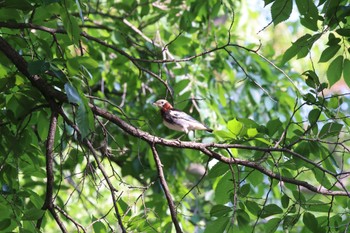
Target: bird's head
{"x":163,"y":104}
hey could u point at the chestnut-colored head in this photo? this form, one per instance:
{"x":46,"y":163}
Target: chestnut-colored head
{"x":163,"y":104}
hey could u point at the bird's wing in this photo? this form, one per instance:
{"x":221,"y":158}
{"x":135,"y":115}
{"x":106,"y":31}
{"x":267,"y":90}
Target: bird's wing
{"x":177,"y":114}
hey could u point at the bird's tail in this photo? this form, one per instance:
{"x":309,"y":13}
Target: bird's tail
{"x":209,"y":130}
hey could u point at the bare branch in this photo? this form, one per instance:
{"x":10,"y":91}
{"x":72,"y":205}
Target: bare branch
{"x":165,"y":188}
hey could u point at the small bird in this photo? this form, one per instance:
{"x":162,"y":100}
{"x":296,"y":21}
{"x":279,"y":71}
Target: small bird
{"x":178,"y":120}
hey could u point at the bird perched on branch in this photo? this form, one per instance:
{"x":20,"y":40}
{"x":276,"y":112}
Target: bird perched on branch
{"x":178,"y":120}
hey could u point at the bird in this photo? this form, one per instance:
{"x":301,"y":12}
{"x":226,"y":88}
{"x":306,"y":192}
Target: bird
{"x":178,"y":120}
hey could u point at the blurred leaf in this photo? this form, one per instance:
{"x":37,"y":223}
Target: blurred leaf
{"x":217,"y":170}
{"x":253,"y":207}
{"x":243,"y":218}
{"x":271,"y":209}
{"x":330,"y":129}
{"x":217,"y":226}
{"x":234,"y":127}
{"x":220,"y":210}
{"x":244,"y":190}
{"x":310,"y":222}
{"x":33,"y":214}
{"x":71,"y":25}
{"x":314,"y":115}
{"x":290,"y":220}
{"x":223,"y":189}
{"x":346,"y":71}
{"x":285,"y":201}
{"x":38,"y":67}
{"x":272,"y":225}
{"x":99,"y":227}
{"x":343,"y":32}
{"x":5,"y":223}
{"x":252,"y":132}
{"x":273,"y":126}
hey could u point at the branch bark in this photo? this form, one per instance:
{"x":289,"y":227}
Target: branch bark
{"x":165,"y":188}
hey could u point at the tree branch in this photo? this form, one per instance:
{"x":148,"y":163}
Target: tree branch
{"x":165,"y":188}
{"x":48,"y":204}
{"x":47,"y":90}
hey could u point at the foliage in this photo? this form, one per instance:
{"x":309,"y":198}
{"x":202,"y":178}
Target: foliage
{"x":83,"y":149}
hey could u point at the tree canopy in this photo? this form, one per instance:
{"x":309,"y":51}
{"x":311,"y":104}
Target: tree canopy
{"x":82,"y":148}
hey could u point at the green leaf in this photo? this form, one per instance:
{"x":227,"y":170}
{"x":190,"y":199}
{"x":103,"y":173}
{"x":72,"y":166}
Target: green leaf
{"x":217,"y":226}
{"x":310,"y":222}
{"x":9,"y":14}
{"x":23,"y":5}
{"x":332,"y":40}
{"x":329,"y":53}
{"x":316,"y":206}
{"x":5,"y":223}
{"x":309,"y":14}
{"x":243,"y":218}
{"x":346,"y":71}
{"x":33,"y":214}
{"x":285,"y":201}
{"x":330,"y":129}
{"x":322,"y":178}
{"x":312,"y":78}
{"x":253,"y":207}
{"x":281,"y":10}
{"x":267,"y":2}
{"x":181,"y":85}
{"x":295,"y":48}
{"x":314,"y":115}
{"x":334,"y":70}
{"x":234,"y":127}
{"x":99,"y":227}
{"x":220,"y":210}
{"x":271,"y":209}
{"x":217,"y":170}
{"x":343,"y":32}
{"x":223,"y":189}
{"x":272,"y":225}
{"x":273,"y":126}
{"x":38,"y":67}
{"x":71,"y":25}
{"x":290,"y":220}
{"x":244,"y":190}
{"x":252,"y":132}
